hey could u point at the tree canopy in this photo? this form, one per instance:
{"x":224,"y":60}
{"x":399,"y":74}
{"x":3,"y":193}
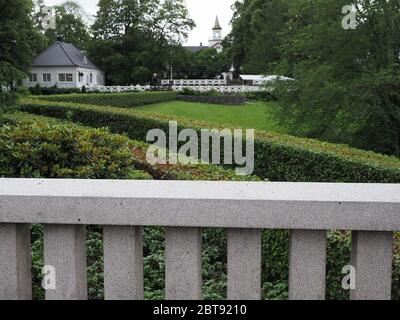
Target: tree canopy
{"x":347,"y":81}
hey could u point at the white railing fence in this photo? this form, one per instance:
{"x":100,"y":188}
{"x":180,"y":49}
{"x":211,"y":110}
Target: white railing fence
{"x":199,"y":88}
{"x":64,"y":207}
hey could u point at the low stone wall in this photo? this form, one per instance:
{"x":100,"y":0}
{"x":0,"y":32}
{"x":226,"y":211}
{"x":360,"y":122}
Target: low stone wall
{"x":228,"y":100}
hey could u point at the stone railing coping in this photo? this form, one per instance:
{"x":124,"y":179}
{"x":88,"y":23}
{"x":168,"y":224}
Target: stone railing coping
{"x":258,"y":205}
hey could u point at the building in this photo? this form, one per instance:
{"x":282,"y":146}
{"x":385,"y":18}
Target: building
{"x":215,"y":41}
{"x":65,"y":66}
{"x":258,"y":80}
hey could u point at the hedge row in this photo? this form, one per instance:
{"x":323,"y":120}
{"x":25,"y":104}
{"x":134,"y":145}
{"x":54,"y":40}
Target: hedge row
{"x":122,"y":100}
{"x":277,"y":157}
{"x":138,"y":150}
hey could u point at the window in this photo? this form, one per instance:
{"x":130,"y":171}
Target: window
{"x":65,"y":77}
{"x":46,"y":77}
{"x":33,"y":77}
{"x":80,"y":76}
{"x":91,"y":78}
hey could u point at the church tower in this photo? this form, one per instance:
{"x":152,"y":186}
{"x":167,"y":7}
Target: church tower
{"x":216,"y":40}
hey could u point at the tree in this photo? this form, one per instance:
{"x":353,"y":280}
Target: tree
{"x":134,"y":39}
{"x":347,"y":81}
{"x":19,"y":42}
{"x":254,"y":41}
{"x":70,"y":25}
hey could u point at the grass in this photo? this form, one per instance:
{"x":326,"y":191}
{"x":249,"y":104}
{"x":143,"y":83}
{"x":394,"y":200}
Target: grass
{"x":253,"y":115}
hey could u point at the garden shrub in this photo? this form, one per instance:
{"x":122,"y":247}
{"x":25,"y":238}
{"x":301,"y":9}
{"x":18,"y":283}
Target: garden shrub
{"x":278,"y":157}
{"x":122,"y":100}
{"x":41,"y":150}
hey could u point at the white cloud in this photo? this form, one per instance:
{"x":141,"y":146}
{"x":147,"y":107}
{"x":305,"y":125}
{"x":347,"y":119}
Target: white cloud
{"x":203,"y":12}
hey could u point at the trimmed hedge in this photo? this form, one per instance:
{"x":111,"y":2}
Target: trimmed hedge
{"x":122,"y":100}
{"x":44,"y":150}
{"x":277,"y":157}
{"x":226,"y":100}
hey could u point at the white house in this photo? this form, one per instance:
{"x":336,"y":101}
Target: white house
{"x":65,"y":66}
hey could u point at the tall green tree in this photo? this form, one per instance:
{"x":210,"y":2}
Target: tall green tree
{"x":254,"y":41}
{"x":19,"y":42}
{"x":70,"y":24}
{"x":347,"y":86}
{"x":133,"y":39}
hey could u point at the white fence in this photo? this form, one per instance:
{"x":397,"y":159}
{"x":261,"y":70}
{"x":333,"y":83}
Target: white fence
{"x":200,"y":88}
{"x":195,"y":82}
{"x":223,"y":89}
{"x":138,"y":88}
{"x":308,"y":210}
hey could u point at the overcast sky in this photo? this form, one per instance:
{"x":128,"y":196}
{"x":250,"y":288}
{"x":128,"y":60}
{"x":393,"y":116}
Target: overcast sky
{"x":203,"y":12}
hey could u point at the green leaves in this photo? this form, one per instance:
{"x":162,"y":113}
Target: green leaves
{"x":122,"y":100}
{"x":39,"y":150}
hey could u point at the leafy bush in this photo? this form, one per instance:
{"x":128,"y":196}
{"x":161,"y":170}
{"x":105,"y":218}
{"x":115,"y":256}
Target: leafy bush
{"x":123,"y":100}
{"x":277,"y":157}
{"x":43,"y":150}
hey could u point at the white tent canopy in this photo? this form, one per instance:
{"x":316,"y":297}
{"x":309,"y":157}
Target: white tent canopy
{"x":261,"y":78}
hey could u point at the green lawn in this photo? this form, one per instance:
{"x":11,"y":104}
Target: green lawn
{"x":253,"y":115}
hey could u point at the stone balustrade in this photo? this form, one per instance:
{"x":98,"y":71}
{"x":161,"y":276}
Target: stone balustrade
{"x":308,"y":210}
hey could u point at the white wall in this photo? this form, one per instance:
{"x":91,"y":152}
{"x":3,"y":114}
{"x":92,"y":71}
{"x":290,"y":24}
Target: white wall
{"x":97,"y":77}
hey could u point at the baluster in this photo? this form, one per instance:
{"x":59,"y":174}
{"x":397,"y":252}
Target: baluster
{"x":123,"y":263}
{"x":65,"y":250}
{"x":183,"y":279}
{"x":244,"y":264}
{"x":307,"y":263}
{"x":15,"y":262}
{"x":372,"y":254}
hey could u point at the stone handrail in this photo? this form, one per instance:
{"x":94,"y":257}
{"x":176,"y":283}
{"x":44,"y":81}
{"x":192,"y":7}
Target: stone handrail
{"x":308,"y":210}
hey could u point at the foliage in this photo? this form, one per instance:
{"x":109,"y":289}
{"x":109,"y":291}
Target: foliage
{"x":254,"y":41}
{"x":134,"y":40}
{"x":260,"y":96}
{"x":69,"y":21}
{"x":41,"y":150}
{"x":18,"y":43}
{"x":207,"y":64}
{"x":347,"y":82}
{"x":278,"y":157}
{"x":46,"y":91}
{"x":123,"y":100}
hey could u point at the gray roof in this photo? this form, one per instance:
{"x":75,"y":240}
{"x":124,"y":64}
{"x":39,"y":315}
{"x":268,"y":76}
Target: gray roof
{"x":195,"y":49}
{"x":217,"y":26}
{"x":62,"y":54}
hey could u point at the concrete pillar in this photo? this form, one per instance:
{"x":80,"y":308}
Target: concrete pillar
{"x":244,"y":264}
{"x":371,"y":256}
{"x":307,"y":264}
{"x":65,"y":250}
{"x":123,"y":263}
{"x":15,"y":262}
{"x":183,"y":278}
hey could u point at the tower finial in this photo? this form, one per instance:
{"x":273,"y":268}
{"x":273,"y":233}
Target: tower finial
{"x":217,"y":26}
